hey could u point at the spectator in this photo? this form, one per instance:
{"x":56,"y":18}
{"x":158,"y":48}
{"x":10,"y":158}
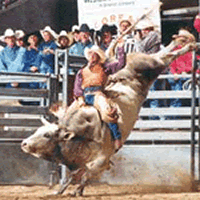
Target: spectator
{"x":78,"y":48}
{"x":32,"y":63}
{"x":32,"y":58}
{"x":75,"y":33}
{"x":148,"y":41}
{"x":197,"y":27}
{"x":64,"y":40}
{"x":182,"y":65}
{"x":20,"y":38}
{"x":128,"y":38}
{"x":89,"y":83}
{"x":197,"y":23}
{"x":106,"y":35}
{"x":47,"y":49}
{"x":12,"y":56}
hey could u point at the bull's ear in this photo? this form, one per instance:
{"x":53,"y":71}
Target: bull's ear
{"x":68,"y":136}
{"x":44,"y":121}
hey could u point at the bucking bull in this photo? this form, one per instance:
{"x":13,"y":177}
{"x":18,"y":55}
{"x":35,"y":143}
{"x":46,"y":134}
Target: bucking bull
{"x":80,"y":140}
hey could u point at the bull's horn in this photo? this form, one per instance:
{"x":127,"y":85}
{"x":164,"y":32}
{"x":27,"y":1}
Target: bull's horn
{"x":44,"y":121}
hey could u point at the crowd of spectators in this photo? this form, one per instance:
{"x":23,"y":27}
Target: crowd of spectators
{"x":35,"y":52}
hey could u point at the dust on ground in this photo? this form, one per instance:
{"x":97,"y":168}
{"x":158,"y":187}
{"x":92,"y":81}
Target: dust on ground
{"x":99,"y":192}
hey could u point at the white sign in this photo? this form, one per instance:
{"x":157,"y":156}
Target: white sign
{"x":98,"y":12}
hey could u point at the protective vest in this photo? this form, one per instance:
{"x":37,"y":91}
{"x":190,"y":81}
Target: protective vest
{"x":94,"y":76}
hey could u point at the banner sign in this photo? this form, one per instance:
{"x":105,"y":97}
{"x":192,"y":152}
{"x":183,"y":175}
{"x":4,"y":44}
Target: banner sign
{"x":98,"y":12}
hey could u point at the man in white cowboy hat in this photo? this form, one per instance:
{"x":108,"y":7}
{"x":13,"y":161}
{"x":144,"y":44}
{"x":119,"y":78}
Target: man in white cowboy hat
{"x":75,"y":32}
{"x":148,"y":40}
{"x":78,"y":48}
{"x":50,"y":31}
{"x":182,"y":65}
{"x":19,"y":34}
{"x":11,"y":57}
{"x":89,"y":84}
{"x":47,"y":49}
{"x":64,"y":40}
{"x":124,"y":24}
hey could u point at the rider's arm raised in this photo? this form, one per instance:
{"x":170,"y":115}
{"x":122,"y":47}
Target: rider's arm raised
{"x":112,"y":67}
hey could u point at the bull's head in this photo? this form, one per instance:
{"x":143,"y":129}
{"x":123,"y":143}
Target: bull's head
{"x":43,"y":142}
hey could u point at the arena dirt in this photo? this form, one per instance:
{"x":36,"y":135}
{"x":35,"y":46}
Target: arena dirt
{"x":100,"y":192}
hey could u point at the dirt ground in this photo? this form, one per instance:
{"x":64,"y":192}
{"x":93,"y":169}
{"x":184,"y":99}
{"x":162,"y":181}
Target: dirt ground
{"x":99,"y":192}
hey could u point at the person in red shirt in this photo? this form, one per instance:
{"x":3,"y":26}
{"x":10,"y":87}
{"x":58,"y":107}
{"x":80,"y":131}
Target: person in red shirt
{"x":182,"y":65}
{"x":197,"y":23}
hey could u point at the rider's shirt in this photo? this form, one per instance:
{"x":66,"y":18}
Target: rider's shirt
{"x":93,"y":76}
{"x":108,"y":68}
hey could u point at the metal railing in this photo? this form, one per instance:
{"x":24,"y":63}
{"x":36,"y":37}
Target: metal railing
{"x":44,"y":98}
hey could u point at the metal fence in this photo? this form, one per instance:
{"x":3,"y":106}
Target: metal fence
{"x":59,"y":87}
{"x":20,"y":121}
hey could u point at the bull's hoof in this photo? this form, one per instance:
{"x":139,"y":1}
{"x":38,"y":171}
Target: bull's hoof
{"x":76,"y":194}
{"x":79,"y":194}
{"x":56,"y":193}
{"x":53,"y":194}
{"x":71,"y":194}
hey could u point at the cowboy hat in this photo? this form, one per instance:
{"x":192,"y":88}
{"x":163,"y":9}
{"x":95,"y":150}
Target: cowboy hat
{"x":63,"y":33}
{"x":143,"y":24}
{"x":48,"y":29}
{"x":106,"y":28}
{"x":97,"y":50}
{"x":19,"y":34}
{"x":8,"y":33}
{"x":184,"y":33}
{"x":84,"y":28}
{"x":36,"y":33}
{"x":75,"y":28}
